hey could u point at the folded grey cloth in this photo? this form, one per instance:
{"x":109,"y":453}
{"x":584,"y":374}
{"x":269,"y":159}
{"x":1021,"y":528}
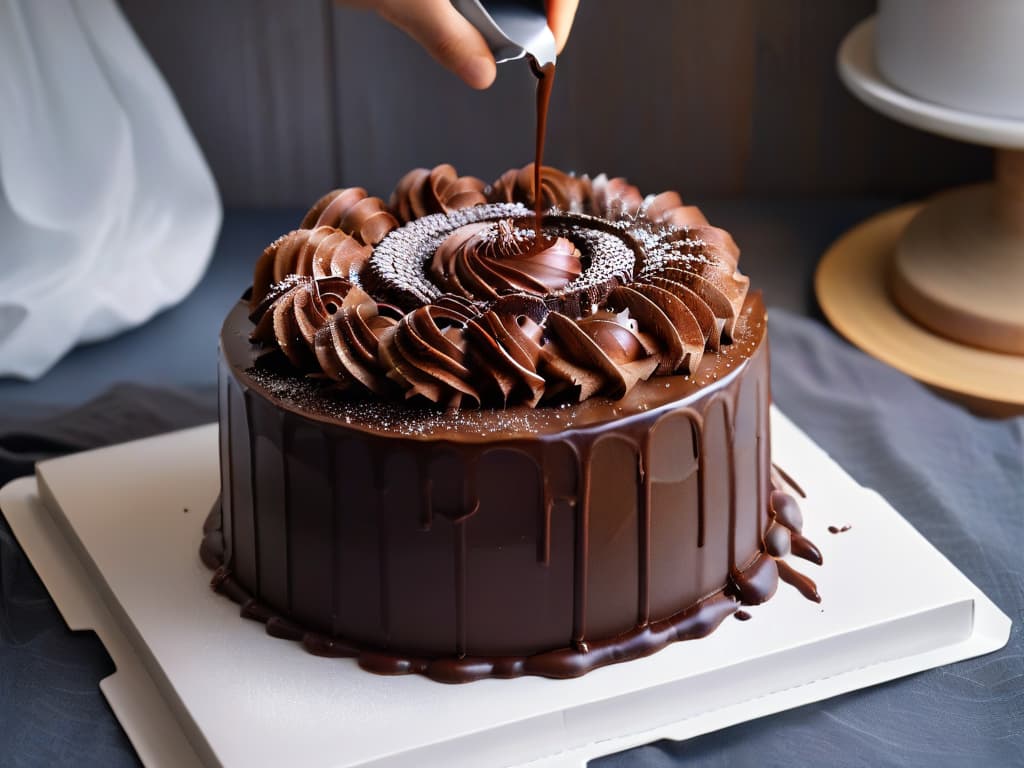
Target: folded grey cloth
{"x":51,"y":710}
{"x":958,"y":478}
{"x":124,"y":412}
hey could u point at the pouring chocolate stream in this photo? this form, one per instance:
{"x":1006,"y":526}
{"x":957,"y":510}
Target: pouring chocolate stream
{"x":545,"y":81}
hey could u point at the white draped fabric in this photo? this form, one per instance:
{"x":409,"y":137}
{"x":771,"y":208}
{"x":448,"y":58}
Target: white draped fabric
{"x":108,"y":211}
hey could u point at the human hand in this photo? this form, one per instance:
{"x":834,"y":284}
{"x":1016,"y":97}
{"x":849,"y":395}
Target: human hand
{"x":451,"y":39}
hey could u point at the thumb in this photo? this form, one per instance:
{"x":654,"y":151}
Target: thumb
{"x":447,"y":36}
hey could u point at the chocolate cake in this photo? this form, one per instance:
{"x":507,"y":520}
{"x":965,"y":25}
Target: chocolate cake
{"x":465,"y":442}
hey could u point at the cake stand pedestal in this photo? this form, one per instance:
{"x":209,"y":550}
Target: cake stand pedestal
{"x":935,"y":290}
{"x":115,"y":533}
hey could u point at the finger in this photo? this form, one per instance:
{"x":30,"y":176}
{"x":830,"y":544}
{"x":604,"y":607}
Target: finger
{"x":447,"y":36}
{"x":560,"y":17}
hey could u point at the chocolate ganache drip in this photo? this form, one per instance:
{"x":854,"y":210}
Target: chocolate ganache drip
{"x":444,"y":295}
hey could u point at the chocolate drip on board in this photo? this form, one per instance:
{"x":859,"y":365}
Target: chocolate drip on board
{"x":803,"y":547}
{"x":755,"y":583}
{"x":803,"y":583}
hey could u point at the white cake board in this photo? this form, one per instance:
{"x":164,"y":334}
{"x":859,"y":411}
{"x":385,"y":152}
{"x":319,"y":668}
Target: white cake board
{"x":109,"y":534}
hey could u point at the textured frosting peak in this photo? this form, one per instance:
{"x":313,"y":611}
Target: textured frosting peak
{"x":445,"y":295}
{"x":423,"y":191}
{"x":351,"y":210}
{"x":558,"y":189}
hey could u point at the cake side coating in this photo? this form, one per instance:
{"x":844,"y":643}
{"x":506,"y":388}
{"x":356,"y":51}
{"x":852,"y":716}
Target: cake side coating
{"x":549,"y":555}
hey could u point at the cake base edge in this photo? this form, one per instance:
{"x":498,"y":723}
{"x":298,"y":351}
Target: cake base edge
{"x":752,"y":585}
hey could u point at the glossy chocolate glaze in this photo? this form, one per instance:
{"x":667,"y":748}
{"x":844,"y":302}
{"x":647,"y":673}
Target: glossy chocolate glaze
{"x":802,"y":582}
{"x":497,"y":543}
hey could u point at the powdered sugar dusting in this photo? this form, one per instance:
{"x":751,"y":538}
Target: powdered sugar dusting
{"x":412,"y":419}
{"x":398,"y":260}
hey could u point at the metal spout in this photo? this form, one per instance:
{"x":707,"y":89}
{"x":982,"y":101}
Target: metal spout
{"x":512,"y":28}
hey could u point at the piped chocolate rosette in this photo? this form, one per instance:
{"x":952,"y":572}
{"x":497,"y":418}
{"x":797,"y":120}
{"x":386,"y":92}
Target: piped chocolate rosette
{"x":444,"y":293}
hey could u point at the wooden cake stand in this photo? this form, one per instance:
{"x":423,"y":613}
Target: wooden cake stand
{"x":937,"y":289}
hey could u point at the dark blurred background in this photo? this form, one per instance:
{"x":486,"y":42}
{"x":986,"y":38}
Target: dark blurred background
{"x":717,"y":98}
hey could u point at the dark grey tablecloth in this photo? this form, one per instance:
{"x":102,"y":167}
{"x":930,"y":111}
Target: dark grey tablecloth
{"x":959,"y":479}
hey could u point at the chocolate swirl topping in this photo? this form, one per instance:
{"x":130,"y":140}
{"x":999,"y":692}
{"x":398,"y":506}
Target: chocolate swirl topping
{"x":484,"y":260}
{"x":445,"y":295}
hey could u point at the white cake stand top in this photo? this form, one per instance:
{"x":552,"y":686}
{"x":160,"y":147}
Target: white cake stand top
{"x":857,"y":68}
